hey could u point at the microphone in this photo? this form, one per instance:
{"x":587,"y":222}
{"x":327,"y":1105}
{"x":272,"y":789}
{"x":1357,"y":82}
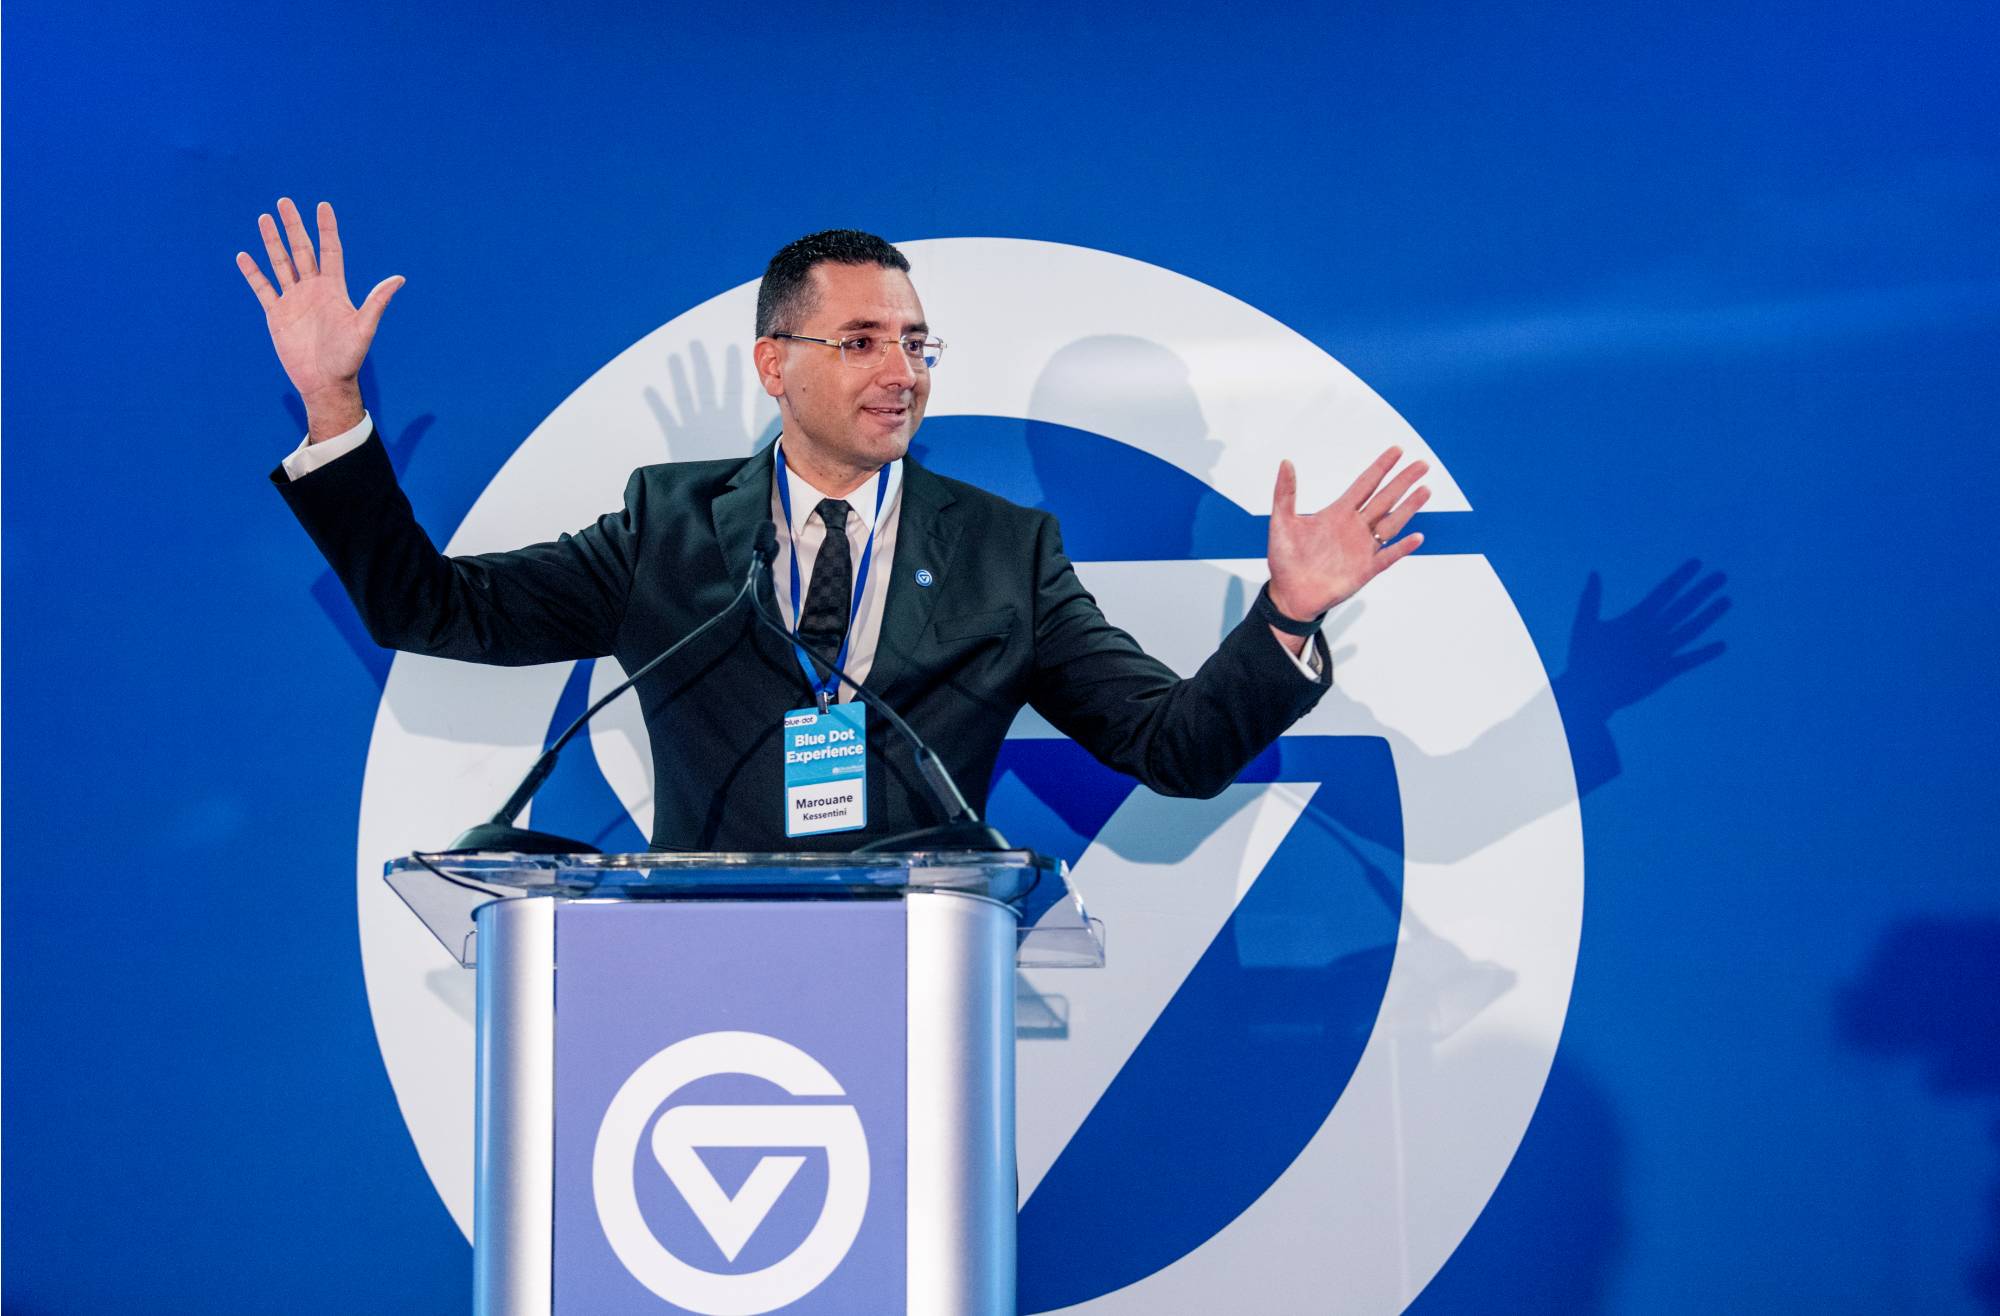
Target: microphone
{"x":499,"y":833}
{"x":765,"y":551}
{"x":962,"y":827}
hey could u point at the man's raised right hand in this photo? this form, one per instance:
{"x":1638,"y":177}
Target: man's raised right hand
{"x":321,"y":336}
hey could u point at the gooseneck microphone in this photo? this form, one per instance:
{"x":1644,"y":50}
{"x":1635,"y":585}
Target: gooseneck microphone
{"x":962,"y":828}
{"x":499,"y":833}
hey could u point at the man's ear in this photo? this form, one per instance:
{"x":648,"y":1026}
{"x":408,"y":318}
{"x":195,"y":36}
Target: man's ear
{"x":769,"y":355}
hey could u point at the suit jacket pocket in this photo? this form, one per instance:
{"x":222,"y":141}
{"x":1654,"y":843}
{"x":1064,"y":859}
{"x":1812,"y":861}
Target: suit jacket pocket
{"x":974,"y":625}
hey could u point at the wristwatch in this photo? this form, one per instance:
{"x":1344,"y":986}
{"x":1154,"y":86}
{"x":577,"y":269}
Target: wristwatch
{"x":1269,"y":612}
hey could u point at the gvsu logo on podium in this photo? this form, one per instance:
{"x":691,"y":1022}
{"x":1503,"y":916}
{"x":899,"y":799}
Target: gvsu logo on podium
{"x":676,"y":1140}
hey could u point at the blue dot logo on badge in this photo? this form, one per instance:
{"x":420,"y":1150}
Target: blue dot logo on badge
{"x":924,"y":577}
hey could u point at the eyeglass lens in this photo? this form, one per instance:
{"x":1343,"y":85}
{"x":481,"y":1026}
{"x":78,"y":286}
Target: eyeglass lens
{"x":865,"y":350}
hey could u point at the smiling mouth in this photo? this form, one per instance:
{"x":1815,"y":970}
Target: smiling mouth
{"x":894,"y":413}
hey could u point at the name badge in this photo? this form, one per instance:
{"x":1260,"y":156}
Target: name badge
{"x":826,"y":769}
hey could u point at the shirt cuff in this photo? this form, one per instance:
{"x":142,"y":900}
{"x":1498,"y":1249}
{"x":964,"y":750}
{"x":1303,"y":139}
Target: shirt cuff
{"x":309,"y":456}
{"x":1306,"y":659}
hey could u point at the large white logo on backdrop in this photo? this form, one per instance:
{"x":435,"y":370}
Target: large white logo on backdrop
{"x":1433,"y":658}
{"x":729,"y":1220}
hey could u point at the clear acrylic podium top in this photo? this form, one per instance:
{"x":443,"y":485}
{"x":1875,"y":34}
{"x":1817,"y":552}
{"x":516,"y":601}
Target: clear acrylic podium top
{"x":446,"y":891}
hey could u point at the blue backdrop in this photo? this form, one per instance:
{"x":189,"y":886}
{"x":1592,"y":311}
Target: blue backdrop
{"x":1713,"y":287}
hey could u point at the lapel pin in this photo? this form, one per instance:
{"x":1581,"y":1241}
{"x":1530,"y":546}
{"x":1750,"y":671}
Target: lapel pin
{"x":924,"y":577}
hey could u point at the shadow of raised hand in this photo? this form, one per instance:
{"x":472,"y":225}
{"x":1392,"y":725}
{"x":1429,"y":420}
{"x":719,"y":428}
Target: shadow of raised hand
{"x":705,"y":419}
{"x":1614,"y":662}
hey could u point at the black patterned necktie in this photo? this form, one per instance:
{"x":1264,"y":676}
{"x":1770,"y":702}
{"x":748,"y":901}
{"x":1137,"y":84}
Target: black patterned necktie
{"x":830,"y":597}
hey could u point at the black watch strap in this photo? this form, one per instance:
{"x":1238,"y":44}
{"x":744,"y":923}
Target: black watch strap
{"x":1269,"y":612}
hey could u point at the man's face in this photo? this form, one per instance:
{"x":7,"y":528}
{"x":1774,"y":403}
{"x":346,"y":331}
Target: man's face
{"x":843,"y":420}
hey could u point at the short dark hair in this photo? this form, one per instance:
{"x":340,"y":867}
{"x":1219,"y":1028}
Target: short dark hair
{"x":785,"y":296}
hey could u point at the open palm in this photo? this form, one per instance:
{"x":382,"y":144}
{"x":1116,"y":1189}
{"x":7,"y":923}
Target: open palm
{"x":1319,"y":559}
{"x":320,"y":335}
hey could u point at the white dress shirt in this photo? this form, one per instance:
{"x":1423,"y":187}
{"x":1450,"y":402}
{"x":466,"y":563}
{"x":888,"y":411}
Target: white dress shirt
{"x":804,"y":530}
{"x":808,"y":532}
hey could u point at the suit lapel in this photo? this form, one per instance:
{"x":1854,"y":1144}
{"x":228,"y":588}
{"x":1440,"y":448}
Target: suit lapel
{"x":926,"y":535}
{"x":737,"y":513}
{"x":743,"y":506}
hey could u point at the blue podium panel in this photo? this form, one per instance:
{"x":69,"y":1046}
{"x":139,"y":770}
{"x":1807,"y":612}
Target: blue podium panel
{"x":731,"y":1129}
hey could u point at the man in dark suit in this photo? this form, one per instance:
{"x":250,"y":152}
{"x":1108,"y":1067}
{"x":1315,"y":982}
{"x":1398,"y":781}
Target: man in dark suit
{"x":954,"y":606}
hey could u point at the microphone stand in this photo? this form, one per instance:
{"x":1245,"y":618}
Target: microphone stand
{"x":499,"y":832}
{"x":962,"y":829}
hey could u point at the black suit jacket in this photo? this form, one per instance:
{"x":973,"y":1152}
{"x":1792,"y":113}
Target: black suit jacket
{"x":1005,"y":623}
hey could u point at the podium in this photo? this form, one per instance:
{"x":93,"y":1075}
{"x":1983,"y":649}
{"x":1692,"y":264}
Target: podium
{"x":731,"y":1083}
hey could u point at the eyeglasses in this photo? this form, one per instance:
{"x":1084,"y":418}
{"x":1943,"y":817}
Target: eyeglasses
{"x":865,"y":351}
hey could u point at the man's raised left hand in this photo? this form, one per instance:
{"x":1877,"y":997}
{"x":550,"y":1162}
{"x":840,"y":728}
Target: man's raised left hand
{"x":1320,"y":559}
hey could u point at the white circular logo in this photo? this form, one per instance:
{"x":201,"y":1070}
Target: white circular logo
{"x":1432,"y":662}
{"x":679,"y":1133}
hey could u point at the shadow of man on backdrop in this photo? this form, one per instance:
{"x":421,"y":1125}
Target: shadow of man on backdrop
{"x":1300,"y":967}
{"x":1931,"y":992}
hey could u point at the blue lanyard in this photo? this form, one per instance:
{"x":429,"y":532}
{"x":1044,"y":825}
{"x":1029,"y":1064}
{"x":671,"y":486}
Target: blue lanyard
{"x":825,"y":689}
